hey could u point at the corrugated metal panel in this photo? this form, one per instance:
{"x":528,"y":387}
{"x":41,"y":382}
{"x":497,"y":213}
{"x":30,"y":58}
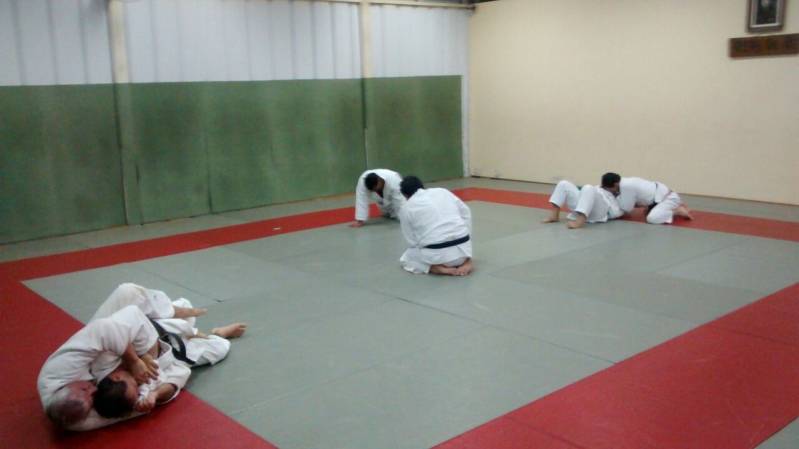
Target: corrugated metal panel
{"x":44,"y":42}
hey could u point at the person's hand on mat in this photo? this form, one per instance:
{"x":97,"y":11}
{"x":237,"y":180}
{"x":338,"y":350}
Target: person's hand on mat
{"x":356,"y":224}
{"x":145,"y":369}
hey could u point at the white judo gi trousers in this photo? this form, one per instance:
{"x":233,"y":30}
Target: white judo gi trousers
{"x":589,"y":201}
{"x":666,"y":202}
{"x":157,"y":305}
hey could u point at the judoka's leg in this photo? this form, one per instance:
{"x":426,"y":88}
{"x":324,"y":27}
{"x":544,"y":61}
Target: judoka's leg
{"x":664,"y":212}
{"x":565,"y":193}
{"x":154,"y":303}
{"x":413,"y":262}
{"x":585,"y":204}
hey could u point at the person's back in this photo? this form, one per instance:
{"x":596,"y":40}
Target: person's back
{"x":636,"y":192}
{"x":435,"y":216}
{"x":437,"y":226}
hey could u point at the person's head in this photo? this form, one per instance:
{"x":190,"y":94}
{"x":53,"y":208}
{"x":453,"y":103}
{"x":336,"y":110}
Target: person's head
{"x":409,"y":185}
{"x":71,"y":403}
{"x":373,"y":182}
{"x":610,"y":182}
{"x":116,"y":394}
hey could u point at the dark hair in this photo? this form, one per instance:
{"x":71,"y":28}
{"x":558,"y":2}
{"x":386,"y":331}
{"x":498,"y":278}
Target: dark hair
{"x":370,"y":181}
{"x":610,"y":179}
{"x":110,"y":400}
{"x":409,"y":185}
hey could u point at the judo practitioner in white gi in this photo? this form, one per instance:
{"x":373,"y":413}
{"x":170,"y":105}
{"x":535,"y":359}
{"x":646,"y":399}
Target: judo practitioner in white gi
{"x":383,"y":186}
{"x":135,"y":306}
{"x":590,"y":204}
{"x":662,"y":203}
{"x":437,"y":226}
{"x":66,"y":385}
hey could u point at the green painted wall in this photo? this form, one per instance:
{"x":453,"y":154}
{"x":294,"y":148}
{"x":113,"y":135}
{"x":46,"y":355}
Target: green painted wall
{"x":77,"y":158}
{"x":59,"y":164}
{"x":279,"y":141}
{"x":414,"y":125}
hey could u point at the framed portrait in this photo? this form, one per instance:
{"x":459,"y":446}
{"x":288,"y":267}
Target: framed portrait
{"x":766,"y":15}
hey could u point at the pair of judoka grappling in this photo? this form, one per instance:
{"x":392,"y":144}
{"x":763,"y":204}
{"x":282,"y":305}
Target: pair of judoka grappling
{"x":437,"y":225}
{"x":134,"y":354}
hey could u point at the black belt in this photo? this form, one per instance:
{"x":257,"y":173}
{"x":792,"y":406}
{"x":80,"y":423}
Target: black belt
{"x":174,"y":341}
{"x":455,"y":242}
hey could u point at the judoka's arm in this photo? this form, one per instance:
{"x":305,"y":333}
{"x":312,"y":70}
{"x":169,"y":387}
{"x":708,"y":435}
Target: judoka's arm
{"x":71,"y":362}
{"x":614,"y":211}
{"x":361,"y":201}
{"x":141,"y":368}
{"x":161,"y":395}
{"x":408,"y":232}
{"x":626,"y":201}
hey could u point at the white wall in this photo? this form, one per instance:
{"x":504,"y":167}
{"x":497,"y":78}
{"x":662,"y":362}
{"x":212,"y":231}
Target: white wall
{"x":571,"y":89}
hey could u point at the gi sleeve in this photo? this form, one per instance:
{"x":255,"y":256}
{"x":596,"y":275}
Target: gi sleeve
{"x":361,"y":200}
{"x":406,"y":225}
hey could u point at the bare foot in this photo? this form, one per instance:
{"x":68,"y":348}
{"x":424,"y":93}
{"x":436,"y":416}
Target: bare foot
{"x":234,"y":330}
{"x":683,"y":211}
{"x":443,"y":269}
{"x":464,"y":269}
{"x":554,"y":216}
{"x":577,"y":223}
{"x":189,"y":312}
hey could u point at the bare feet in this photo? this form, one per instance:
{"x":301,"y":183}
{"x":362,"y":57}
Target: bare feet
{"x":461,"y":270}
{"x":683,"y":211}
{"x":554,"y":216}
{"x":464,"y":269}
{"x":234,"y":330}
{"x":443,"y":269}
{"x":189,"y":312}
{"x":577,"y":223}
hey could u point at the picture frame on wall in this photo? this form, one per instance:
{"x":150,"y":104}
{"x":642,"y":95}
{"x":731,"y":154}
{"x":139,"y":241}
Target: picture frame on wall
{"x":766,"y":15}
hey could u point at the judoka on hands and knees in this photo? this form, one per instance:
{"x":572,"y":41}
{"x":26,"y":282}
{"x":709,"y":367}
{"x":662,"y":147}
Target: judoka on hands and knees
{"x":590,"y":204}
{"x":383,"y":186}
{"x":663,"y":203}
{"x":437,"y":226}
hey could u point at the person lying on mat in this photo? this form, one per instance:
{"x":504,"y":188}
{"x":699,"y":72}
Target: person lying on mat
{"x":589,"y":204}
{"x":437,"y":226}
{"x":663,"y":204}
{"x":160,"y":345}
{"x":382,"y":186}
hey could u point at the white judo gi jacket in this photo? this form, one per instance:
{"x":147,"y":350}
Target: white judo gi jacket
{"x":111,"y":335}
{"x":390,"y":203}
{"x":644,"y":193}
{"x":433,"y":216}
